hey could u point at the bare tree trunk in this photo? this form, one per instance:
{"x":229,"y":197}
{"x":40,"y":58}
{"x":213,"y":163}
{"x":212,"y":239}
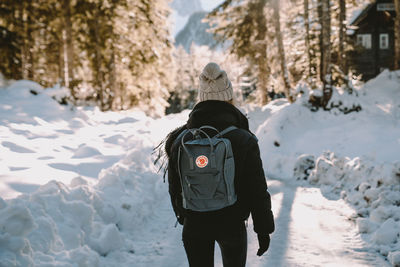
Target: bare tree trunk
{"x":326,"y":52}
{"x":15,"y":69}
{"x":68,"y":46}
{"x":99,"y":80}
{"x":65,"y":58}
{"x":397,"y":35}
{"x":24,"y":46}
{"x":320,"y":39}
{"x":307,"y":37}
{"x":262,"y":84}
{"x":264,"y":70}
{"x":281,"y":51}
{"x":112,"y":78}
{"x":61,"y":65}
{"x":28,"y":42}
{"x":342,"y":36}
{"x":98,"y":68}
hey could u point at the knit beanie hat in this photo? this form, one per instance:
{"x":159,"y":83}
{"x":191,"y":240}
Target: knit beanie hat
{"x":214,"y":84}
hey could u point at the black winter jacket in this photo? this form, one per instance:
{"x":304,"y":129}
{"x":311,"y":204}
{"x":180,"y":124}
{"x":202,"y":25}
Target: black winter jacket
{"x":250,"y":183}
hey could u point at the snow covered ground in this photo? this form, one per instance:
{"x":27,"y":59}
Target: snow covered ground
{"x":78,"y":186}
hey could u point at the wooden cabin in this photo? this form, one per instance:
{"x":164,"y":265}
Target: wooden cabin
{"x":372,"y":34}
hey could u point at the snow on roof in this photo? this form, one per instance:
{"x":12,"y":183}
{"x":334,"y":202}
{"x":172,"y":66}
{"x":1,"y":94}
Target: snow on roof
{"x":358,"y":14}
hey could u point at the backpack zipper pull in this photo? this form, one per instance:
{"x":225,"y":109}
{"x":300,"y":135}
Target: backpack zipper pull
{"x":187,"y":181}
{"x":176,"y":223}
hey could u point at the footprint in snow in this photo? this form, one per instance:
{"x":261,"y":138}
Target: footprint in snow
{"x":45,"y":157}
{"x":16,"y":148}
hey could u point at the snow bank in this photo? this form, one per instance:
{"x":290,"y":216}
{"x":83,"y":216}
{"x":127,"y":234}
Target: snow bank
{"x":80,"y":225}
{"x":88,"y":222}
{"x":29,"y":98}
{"x":394,"y":258}
{"x":371,"y":189}
{"x":291,"y":130}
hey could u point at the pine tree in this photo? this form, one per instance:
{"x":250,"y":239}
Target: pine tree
{"x":10,"y":42}
{"x":341,"y":45}
{"x":129,"y":52}
{"x":35,"y":31}
{"x":17,"y":40}
{"x":68,"y":46}
{"x":49,"y":63}
{"x":295,"y":41}
{"x":281,"y":50}
{"x":93,"y":36}
{"x":149,"y":54}
{"x":300,"y":34}
{"x":124,"y":49}
{"x":243,"y":25}
{"x":182,"y":95}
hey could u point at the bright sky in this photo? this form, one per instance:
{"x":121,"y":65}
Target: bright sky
{"x":210,"y":4}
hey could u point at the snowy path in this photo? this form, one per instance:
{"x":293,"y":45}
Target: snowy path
{"x":311,"y":231}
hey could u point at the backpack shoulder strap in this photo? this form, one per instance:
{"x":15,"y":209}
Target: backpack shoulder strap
{"x":255,"y":137}
{"x":227,"y":130}
{"x":181,"y":134}
{"x":208,"y":127}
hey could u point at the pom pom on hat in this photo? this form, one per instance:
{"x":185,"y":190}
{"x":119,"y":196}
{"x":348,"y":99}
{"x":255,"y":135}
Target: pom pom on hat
{"x":214,"y":84}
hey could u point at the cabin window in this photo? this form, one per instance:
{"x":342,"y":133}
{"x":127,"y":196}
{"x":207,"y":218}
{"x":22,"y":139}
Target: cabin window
{"x":384,"y":41}
{"x":385,"y":7}
{"x":364,"y":40}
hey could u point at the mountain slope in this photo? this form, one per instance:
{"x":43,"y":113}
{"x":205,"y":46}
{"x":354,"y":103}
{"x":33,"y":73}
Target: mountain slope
{"x":185,"y":8}
{"x":195,"y":31}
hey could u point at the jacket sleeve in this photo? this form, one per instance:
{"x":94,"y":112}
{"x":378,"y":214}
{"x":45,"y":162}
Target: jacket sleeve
{"x":174,"y":189}
{"x":259,"y":198}
{"x":174,"y":183}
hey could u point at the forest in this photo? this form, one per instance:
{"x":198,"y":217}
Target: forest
{"x":120,"y":54}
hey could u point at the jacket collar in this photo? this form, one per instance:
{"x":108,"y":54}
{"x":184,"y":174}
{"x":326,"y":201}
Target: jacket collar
{"x":218,"y":114}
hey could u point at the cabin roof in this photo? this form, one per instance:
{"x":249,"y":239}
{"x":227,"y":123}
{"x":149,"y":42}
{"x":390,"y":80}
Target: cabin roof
{"x":358,"y":18}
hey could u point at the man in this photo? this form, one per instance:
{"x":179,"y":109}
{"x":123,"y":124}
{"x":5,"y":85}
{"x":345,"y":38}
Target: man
{"x":201,"y":229}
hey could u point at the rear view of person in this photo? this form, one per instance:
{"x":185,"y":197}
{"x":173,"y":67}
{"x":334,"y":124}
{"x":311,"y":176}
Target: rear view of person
{"x":216,"y":125}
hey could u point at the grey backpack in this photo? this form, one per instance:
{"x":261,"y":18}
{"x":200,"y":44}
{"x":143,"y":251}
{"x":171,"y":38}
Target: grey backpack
{"x":206,"y":169}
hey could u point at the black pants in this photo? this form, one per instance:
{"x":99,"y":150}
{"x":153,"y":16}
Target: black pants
{"x":199,"y":243}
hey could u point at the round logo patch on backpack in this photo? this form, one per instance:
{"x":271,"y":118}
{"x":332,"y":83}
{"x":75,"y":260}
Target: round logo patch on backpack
{"x":201,"y":161}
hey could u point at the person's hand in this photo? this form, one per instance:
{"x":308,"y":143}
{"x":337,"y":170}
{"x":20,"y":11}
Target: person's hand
{"x":263,"y":242}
